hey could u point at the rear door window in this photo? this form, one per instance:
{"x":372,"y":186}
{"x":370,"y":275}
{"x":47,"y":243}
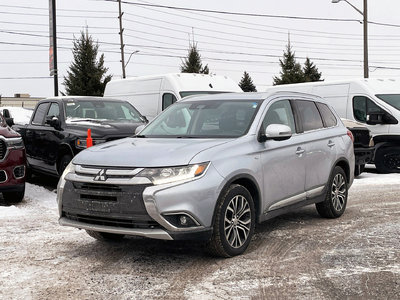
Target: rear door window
{"x":309,"y":115}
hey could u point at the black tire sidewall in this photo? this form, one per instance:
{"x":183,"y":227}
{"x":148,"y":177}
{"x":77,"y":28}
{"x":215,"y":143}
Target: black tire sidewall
{"x":64,"y":161}
{"x":233,"y":191}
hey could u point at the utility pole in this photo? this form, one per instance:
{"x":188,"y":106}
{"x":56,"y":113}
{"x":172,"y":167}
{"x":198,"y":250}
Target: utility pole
{"x":53,"y":45}
{"x":121,"y":30}
{"x":365,"y":14}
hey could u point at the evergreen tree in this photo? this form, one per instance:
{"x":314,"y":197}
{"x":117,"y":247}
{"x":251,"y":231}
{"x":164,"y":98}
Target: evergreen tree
{"x":291,"y":70}
{"x":192,"y":64}
{"x":246,"y":83}
{"x":86,"y":75}
{"x":311,"y":71}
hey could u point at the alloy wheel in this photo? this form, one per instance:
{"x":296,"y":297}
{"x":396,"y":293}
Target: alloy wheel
{"x":237,"y":222}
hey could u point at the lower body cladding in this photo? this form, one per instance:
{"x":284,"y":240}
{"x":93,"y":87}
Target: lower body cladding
{"x":170,"y":212}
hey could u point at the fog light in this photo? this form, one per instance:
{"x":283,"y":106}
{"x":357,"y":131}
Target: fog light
{"x":183,"y":220}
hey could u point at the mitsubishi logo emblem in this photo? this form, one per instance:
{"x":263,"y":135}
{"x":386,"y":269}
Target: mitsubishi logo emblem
{"x":101,"y":176}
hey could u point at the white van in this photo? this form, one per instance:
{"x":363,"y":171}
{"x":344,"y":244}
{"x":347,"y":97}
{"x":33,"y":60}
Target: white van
{"x":374,"y":102}
{"x":152,"y":94}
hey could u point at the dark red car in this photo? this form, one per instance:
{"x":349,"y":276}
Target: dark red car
{"x":12,"y":161}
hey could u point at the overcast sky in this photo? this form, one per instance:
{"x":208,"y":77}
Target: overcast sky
{"x":229,"y":44}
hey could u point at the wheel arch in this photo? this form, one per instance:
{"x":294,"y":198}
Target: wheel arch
{"x":250,"y":183}
{"x":344,"y":164}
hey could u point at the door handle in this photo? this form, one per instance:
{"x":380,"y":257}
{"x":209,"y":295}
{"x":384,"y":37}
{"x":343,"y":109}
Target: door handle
{"x":300,"y":151}
{"x":331,"y":144}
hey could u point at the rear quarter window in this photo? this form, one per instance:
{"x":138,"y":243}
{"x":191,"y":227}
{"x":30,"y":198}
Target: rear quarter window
{"x":328,"y":117}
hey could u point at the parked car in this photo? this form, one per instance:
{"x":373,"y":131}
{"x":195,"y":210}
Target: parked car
{"x":364,"y":148}
{"x":373,"y":102}
{"x":211,"y":167}
{"x":58,"y":128}
{"x":12,"y":162}
{"x":152,"y":94}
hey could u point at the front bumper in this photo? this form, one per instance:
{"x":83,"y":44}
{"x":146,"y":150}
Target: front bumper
{"x":141,"y":209}
{"x":12,"y":170}
{"x":364,"y":155}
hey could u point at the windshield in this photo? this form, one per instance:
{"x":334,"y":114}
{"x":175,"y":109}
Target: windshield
{"x":392,"y":99}
{"x":204,"y":119}
{"x":190,"y":93}
{"x":92,"y":110}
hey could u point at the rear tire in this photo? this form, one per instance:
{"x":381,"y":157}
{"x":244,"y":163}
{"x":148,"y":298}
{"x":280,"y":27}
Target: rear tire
{"x":234,"y":222}
{"x":335,"y":201}
{"x":14,"y":197}
{"x":387,"y":160}
{"x":105,"y":236}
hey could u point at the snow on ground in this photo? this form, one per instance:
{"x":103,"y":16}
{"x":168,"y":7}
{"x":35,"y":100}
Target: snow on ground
{"x":21,"y":115}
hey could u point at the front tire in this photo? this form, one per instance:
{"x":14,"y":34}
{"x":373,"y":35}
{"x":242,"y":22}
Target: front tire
{"x":64,"y":161}
{"x":234,"y":222}
{"x":387,"y":160}
{"x":335,"y":201}
{"x":105,"y":236}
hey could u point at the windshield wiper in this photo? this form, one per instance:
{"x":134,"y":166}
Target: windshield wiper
{"x":88,"y":120}
{"x":140,"y":136}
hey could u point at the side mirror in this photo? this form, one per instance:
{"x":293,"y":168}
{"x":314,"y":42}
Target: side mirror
{"x":139,"y":129}
{"x":6,"y":113}
{"x":145,"y":119}
{"x":376,"y":118}
{"x":53,"y":122}
{"x":276,"y":132}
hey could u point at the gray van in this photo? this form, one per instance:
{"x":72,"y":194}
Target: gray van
{"x":211,"y":168}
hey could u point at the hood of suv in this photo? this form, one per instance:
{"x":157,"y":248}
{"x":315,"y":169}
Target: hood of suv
{"x":145,"y":152}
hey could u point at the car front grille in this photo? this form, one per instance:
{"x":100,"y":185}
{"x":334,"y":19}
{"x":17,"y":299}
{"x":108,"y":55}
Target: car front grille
{"x":106,"y":204}
{"x":3,"y":149}
{"x":361,"y":137}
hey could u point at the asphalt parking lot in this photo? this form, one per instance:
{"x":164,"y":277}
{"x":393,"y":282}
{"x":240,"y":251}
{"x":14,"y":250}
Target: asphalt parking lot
{"x":298,"y":255}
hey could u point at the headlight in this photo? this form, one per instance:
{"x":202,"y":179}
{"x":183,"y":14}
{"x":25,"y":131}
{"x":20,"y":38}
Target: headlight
{"x":81,"y":142}
{"x":173,"y":174}
{"x":61,"y":183}
{"x":15,"y":143}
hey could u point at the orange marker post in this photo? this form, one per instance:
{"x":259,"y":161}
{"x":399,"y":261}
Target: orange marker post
{"x":89,"y":141}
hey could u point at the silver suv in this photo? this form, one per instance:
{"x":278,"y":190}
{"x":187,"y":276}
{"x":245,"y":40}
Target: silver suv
{"x":210,"y":168}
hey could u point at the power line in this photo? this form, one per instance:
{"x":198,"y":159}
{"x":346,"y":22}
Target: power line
{"x":237,"y":13}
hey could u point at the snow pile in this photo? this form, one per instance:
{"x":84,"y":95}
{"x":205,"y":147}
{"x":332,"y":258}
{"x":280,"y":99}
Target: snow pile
{"x":21,"y":115}
{"x":10,"y":211}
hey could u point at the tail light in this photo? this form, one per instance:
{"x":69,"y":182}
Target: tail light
{"x":350,"y":135}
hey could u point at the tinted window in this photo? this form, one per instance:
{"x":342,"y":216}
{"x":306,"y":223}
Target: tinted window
{"x":167,"y":100}
{"x":41,"y":110}
{"x":327,"y":115}
{"x":280,"y":112}
{"x":309,"y":115}
{"x":362,"y":106}
{"x":392,"y":99}
{"x":84,"y":110}
{"x":54,"y":110}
